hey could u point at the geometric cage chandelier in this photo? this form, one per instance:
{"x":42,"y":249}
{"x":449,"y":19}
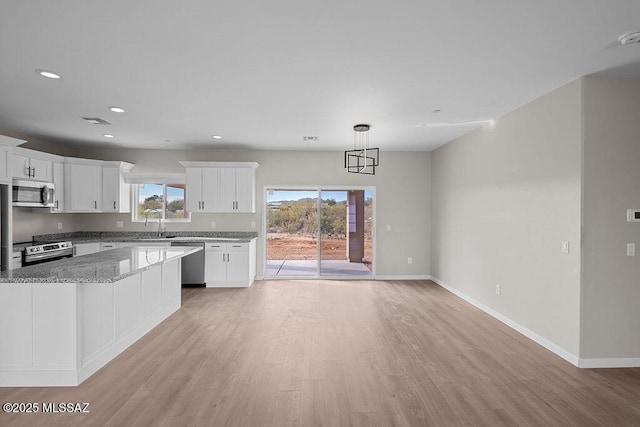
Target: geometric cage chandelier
{"x":362,"y":159}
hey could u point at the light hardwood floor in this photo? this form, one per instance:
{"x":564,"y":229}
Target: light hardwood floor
{"x":333,"y":353}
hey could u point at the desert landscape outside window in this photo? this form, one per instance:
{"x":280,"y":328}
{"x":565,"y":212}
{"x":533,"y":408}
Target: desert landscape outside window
{"x":319,"y":232}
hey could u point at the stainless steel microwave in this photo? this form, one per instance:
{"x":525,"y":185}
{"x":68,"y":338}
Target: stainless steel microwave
{"x":35,"y":194}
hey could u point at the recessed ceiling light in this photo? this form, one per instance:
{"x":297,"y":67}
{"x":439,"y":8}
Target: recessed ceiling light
{"x":217,"y":137}
{"x":117,"y":109}
{"x":630,"y":38}
{"x":48,"y":74}
{"x":108,"y":135}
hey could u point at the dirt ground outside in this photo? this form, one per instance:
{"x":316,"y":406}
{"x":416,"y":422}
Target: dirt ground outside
{"x":282,"y":246}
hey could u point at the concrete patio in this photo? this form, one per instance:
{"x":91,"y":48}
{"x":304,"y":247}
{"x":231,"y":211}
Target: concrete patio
{"x":277,"y":268}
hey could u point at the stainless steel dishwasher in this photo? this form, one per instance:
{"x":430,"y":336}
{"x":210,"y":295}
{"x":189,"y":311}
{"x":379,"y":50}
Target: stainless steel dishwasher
{"x":192,"y":265}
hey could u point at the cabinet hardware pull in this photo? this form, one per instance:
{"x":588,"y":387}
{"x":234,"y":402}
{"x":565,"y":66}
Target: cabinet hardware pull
{"x":95,"y":204}
{"x":114,"y":205}
{"x":203,"y":204}
{"x":228,"y":257}
{"x":56,"y":204}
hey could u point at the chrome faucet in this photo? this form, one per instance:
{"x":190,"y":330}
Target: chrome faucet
{"x":146,"y":219}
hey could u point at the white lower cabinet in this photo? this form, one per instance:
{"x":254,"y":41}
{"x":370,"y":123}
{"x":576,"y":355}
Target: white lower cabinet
{"x":62,"y":333}
{"x":80,"y":249}
{"x":106,"y":246}
{"x":230,"y":264}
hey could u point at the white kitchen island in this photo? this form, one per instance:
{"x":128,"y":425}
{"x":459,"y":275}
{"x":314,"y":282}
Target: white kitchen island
{"x":64,"y":320}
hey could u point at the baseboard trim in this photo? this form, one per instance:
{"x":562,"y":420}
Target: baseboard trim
{"x":569,"y":357}
{"x":620,"y":362}
{"x":403,"y":277}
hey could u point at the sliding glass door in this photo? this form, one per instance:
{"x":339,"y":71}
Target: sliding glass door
{"x":319,"y":232}
{"x":291,"y":233}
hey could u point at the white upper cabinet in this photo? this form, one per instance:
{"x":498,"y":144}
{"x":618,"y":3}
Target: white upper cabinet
{"x":194,"y":189}
{"x":83,"y":185}
{"x":7,"y":144}
{"x":96,"y":186}
{"x":221,"y":186}
{"x":58,"y":182}
{"x":5,"y":164}
{"x":33,"y":165}
{"x":116,"y":194}
{"x":237,"y":189}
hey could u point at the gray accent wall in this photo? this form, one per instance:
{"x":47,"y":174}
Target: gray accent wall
{"x":611,"y":279}
{"x":503,"y":199}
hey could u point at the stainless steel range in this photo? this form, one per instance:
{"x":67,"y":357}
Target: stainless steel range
{"x":48,"y":252}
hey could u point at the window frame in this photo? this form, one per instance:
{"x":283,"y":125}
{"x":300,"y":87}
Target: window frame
{"x":136,"y":198}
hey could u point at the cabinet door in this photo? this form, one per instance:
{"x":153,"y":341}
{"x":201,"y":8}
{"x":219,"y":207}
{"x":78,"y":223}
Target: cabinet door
{"x":238,"y":263}
{"x":58,"y":182}
{"x":84,"y":188}
{"x":110,"y":189}
{"x":194,"y":189}
{"x":41,"y":170}
{"x":228,"y":189}
{"x":245,"y":190}
{"x":211,"y":190}
{"x":215,"y":268}
{"x":86,"y":248}
{"x":21,"y":167}
{"x":5,"y":164}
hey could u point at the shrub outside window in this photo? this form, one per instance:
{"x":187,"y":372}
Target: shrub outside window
{"x":160,"y":201}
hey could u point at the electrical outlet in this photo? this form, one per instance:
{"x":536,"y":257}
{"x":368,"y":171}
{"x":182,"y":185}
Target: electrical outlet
{"x":631,"y":249}
{"x":388,"y":227}
{"x":213,"y":224}
{"x":59,"y":226}
{"x":564,"y":247}
{"x":409,"y":260}
{"x":498,"y":290}
{"x":253,"y":224}
{"x":119,"y":224}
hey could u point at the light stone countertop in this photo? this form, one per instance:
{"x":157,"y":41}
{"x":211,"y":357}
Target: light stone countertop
{"x":102,"y":267}
{"x":141,"y":237}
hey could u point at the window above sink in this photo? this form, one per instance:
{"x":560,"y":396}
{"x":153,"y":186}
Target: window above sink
{"x":164,"y":202}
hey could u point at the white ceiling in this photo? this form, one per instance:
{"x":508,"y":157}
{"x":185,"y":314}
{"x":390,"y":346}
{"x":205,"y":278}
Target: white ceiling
{"x":263,"y":74}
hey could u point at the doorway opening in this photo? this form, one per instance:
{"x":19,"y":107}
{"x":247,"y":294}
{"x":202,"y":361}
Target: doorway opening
{"x":319,"y":232}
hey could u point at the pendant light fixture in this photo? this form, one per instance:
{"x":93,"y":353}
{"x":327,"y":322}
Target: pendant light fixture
{"x":362,"y":159}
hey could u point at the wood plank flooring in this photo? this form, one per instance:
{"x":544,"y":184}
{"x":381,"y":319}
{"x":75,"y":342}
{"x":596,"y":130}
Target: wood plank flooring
{"x":337,"y":353}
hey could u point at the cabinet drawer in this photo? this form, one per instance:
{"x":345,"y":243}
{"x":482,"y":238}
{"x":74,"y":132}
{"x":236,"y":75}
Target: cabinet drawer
{"x":237,"y":247}
{"x":215,"y":247}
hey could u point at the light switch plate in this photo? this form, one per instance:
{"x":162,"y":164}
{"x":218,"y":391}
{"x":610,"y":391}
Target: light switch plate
{"x":631,"y":249}
{"x":388,"y":227}
{"x":253,"y":224}
{"x":59,"y":226}
{"x":213,"y":224}
{"x":119,"y":224}
{"x":564,"y":246}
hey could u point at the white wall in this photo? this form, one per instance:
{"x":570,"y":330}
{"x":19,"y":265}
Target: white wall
{"x":402,"y":196}
{"x":503,"y":199}
{"x":611,"y":280}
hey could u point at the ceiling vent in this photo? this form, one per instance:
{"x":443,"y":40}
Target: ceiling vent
{"x":310,"y":138}
{"x":96,"y":121}
{"x":630,"y":38}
